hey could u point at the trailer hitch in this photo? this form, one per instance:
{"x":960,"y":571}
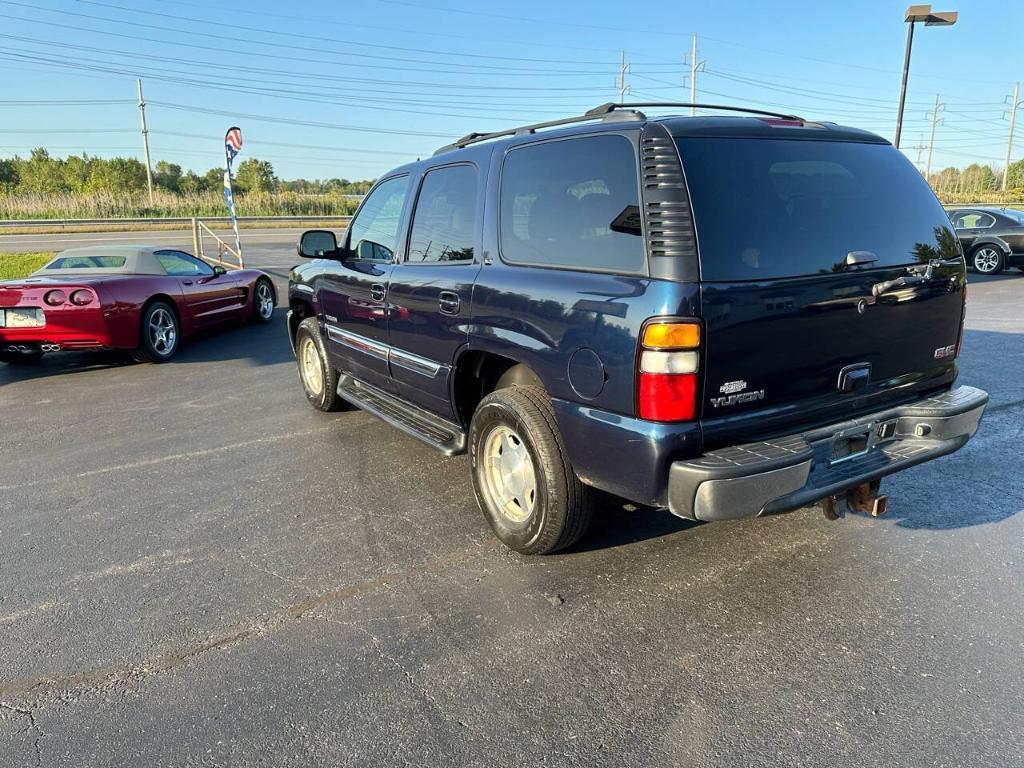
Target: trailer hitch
{"x":861,"y":498}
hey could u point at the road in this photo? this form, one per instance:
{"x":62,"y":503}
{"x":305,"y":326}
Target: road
{"x":271,"y":244}
{"x":196,"y":568}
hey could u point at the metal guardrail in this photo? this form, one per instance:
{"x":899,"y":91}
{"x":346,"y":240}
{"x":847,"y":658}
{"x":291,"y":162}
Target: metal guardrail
{"x":185,"y":221}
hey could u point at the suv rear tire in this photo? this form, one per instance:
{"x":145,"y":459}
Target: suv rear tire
{"x":318,"y":377}
{"x":522,"y":477}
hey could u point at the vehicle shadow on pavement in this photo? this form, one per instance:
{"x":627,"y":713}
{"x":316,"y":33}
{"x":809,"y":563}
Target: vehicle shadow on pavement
{"x":617,"y":523}
{"x":261,"y":344}
{"x":1008,"y":274}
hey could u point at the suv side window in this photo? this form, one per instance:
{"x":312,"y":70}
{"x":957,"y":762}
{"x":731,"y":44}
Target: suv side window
{"x":180,"y":264}
{"x":573,"y":203}
{"x":373,"y":234}
{"x":445,"y":216}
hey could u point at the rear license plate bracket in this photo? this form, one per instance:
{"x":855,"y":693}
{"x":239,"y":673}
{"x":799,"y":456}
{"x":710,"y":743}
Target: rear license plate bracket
{"x":850,"y":443}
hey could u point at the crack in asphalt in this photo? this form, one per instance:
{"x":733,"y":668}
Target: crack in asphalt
{"x":32,"y":726}
{"x":199,"y":454}
{"x":112,"y":675}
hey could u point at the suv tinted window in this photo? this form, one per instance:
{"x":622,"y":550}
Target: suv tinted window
{"x":767,"y":208}
{"x":573,"y":203}
{"x":443,"y":224}
{"x":373,"y":235}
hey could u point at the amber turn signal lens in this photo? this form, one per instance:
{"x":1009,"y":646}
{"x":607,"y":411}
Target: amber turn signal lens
{"x":672,"y":336}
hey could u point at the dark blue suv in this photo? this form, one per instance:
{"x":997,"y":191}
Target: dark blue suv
{"x":723,"y":316}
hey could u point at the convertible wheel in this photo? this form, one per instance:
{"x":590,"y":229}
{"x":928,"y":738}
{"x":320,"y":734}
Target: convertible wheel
{"x":987,"y":260}
{"x":523,"y":481}
{"x":160,"y":336}
{"x":21,"y":357}
{"x":318,"y":377}
{"x":263,"y":301}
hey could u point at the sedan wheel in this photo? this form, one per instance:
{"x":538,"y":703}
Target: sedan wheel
{"x":988,"y":260}
{"x":163,"y":332}
{"x":160,"y":334}
{"x":263,"y":301}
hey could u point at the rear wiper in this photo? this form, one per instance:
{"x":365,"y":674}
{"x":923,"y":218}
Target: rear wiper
{"x":916,"y":275}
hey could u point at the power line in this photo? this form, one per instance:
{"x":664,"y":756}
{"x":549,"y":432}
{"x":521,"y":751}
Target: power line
{"x":288,"y":94}
{"x":338,"y":41}
{"x":450,"y":68}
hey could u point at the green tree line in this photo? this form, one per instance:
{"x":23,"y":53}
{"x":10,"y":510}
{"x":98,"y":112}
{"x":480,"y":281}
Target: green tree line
{"x":42,"y":174}
{"x":980,"y":181}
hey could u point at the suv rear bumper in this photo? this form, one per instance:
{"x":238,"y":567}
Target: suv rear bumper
{"x":790,"y":472}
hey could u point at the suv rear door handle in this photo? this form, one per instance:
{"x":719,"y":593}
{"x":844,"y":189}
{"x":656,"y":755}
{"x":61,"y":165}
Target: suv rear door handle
{"x":448,"y":302}
{"x":378,"y":292}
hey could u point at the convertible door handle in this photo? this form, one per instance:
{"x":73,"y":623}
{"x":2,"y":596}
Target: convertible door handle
{"x":378,"y":292}
{"x":448,"y":302}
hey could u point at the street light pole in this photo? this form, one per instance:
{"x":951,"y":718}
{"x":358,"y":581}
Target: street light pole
{"x":903,"y":84}
{"x":914,"y":14}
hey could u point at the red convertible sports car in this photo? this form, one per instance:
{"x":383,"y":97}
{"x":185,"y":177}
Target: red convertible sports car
{"x":133,"y":297}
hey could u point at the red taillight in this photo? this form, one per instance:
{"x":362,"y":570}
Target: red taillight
{"x":81,"y":298}
{"x":55,"y":298}
{"x":668,"y":396}
{"x":667,"y":371}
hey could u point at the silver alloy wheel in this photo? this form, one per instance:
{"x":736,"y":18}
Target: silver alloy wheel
{"x":309,"y":366}
{"x":509,"y":477}
{"x":986,"y":260}
{"x":163,"y":332}
{"x":264,"y":300}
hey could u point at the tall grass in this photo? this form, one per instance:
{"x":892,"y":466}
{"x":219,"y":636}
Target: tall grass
{"x":18,"y":265}
{"x":105,"y":205}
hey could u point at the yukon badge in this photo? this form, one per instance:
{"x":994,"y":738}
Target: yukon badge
{"x":734,"y":394}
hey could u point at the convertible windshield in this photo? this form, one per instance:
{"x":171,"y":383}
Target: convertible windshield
{"x":87,"y":262}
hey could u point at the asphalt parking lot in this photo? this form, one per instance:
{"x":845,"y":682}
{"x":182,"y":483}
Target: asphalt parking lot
{"x":196,"y":568}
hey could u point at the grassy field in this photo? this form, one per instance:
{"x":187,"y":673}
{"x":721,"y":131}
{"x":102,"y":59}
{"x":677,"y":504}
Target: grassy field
{"x":108,"y":205}
{"x":16,"y":265}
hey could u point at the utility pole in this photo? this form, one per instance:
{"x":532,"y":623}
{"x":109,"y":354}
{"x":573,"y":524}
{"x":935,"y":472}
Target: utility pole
{"x":695,"y":66}
{"x":623,"y":69}
{"x":931,"y":141}
{"x":145,"y":141}
{"x":920,"y":149}
{"x":1014,"y":106}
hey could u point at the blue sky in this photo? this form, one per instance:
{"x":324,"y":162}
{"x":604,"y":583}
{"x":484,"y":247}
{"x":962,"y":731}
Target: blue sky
{"x":349,"y":90}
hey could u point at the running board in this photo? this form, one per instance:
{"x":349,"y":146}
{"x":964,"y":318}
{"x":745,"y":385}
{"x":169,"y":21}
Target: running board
{"x":439,"y":433}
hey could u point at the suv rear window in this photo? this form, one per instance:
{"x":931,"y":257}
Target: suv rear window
{"x":573,"y":203}
{"x":769,"y":208}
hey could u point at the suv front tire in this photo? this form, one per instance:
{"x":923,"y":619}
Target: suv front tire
{"x":318,"y":377}
{"x":522,"y":477}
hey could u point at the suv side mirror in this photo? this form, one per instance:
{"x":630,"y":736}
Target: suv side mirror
{"x":317,"y":244}
{"x":218,"y":271}
{"x":367,"y":250}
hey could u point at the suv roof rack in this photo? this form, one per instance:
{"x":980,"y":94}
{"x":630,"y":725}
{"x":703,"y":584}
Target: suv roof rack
{"x":601,"y":112}
{"x":610,"y":107}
